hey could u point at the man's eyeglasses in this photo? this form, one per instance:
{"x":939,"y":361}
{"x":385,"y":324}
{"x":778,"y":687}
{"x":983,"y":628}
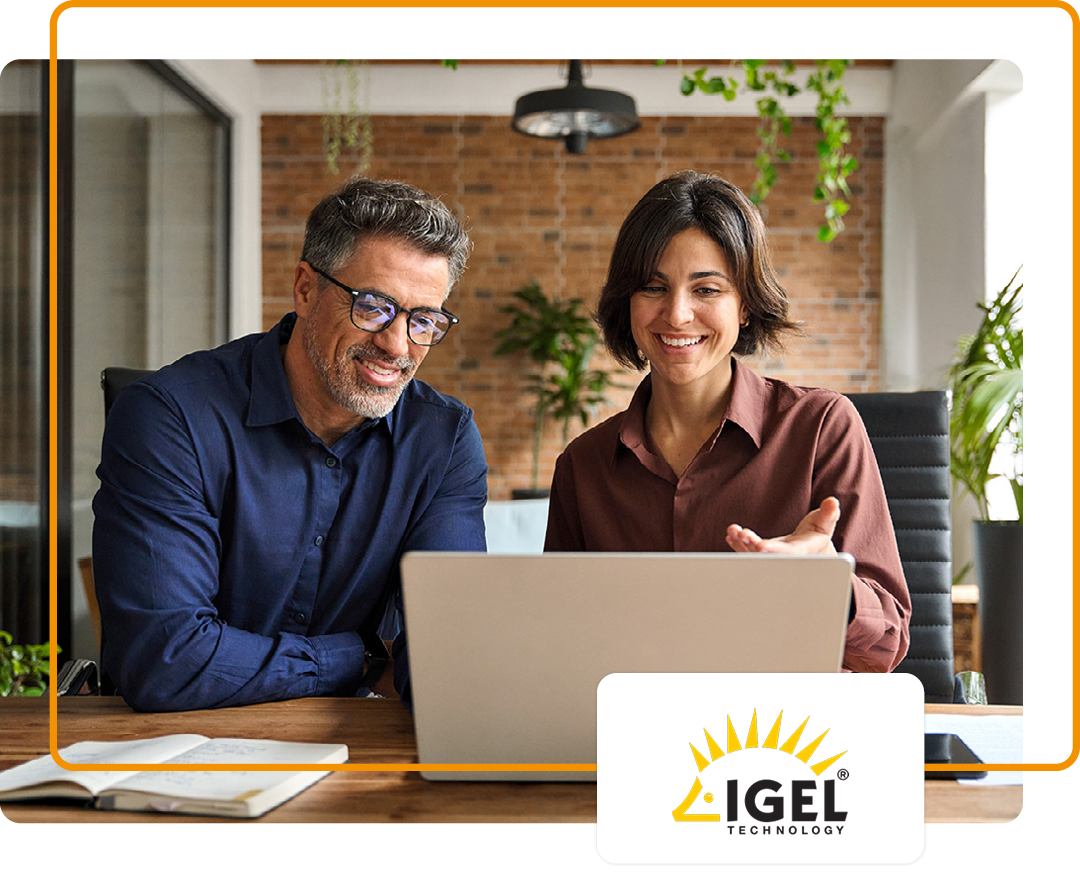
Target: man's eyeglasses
{"x":374,"y":312}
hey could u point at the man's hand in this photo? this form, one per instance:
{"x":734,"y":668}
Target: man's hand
{"x":812,"y":536}
{"x":385,"y":685}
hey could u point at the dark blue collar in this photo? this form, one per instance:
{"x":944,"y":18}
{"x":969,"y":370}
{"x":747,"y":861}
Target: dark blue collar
{"x":271,"y":399}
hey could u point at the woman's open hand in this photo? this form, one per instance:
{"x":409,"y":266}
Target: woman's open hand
{"x":812,"y":536}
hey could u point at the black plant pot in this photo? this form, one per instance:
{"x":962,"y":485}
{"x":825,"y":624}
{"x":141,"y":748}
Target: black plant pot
{"x":999,"y":567}
{"x":530,"y":494}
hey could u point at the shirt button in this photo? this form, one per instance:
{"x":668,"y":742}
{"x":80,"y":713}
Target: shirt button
{"x":300,"y":618}
{"x":318,"y":540}
{"x":331,"y":462}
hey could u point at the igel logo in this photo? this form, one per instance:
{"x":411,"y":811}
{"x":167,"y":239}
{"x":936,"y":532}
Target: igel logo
{"x":770,"y":788}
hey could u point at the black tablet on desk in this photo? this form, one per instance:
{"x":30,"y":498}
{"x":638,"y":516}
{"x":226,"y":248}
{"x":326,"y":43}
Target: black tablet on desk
{"x":949,"y":748}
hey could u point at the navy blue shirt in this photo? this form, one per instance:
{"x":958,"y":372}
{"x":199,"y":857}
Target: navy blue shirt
{"x":236,"y":555}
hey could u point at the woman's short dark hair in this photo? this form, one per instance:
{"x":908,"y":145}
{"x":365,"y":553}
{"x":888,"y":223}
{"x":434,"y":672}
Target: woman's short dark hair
{"x":367,"y":208}
{"x":715,"y":206}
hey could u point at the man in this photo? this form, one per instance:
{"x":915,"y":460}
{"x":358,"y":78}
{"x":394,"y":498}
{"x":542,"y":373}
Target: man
{"x":256,"y":499}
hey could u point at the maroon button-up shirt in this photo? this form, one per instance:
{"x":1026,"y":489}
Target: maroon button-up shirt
{"x":779,"y":451}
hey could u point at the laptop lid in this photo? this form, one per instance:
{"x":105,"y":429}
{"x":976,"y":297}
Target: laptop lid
{"x":506,"y":650}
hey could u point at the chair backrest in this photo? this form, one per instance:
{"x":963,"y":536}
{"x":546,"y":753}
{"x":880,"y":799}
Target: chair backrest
{"x":115,"y":378}
{"x":910,"y":436}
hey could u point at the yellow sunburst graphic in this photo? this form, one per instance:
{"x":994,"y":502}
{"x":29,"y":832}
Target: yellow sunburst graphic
{"x":772,"y":740}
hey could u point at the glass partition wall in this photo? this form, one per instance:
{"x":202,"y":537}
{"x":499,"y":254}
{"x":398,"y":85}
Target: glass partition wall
{"x":23,"y":384}
{"x":143,"y":177}
{"x":148,"y":252}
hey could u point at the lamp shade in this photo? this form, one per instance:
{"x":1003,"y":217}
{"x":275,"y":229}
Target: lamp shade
{"x":575,"y":113}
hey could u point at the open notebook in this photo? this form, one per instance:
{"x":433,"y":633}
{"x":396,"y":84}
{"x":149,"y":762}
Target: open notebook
{"x":506,"y":651}
{"x":248,"y":793}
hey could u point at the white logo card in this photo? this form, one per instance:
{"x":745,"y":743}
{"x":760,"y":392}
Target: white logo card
{"x":760,"y":768}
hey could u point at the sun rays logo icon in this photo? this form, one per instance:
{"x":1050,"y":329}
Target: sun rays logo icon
{"x":772,"y":741}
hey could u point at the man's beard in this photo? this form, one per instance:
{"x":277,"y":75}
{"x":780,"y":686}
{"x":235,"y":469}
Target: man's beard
{"x":345,"y":384}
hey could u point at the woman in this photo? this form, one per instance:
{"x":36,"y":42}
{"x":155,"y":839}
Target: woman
{"x":709,"y":456}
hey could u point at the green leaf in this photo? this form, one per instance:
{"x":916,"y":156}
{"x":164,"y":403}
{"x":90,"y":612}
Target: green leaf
{"x":986,"y":382}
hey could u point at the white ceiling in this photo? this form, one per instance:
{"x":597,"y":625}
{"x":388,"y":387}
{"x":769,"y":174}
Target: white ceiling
{"x":492,"y":89}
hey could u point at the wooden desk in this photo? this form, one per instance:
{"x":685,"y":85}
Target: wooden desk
{"x":949,"y":802}
{"x":376,"y":731}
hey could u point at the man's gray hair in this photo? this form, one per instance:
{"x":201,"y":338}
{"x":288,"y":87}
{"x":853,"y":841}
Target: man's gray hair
{"x":368,"y":208}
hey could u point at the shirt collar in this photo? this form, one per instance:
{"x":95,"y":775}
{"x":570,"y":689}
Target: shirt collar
{"x":746,"y":409}
{"x":271,"y":399}
{"x":632,"y":426}
{"x":748,"y":396}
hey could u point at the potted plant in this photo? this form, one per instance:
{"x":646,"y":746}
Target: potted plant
{"x":987,"y":431}
{"x":24,"y":669}
{"x":557,"y":337}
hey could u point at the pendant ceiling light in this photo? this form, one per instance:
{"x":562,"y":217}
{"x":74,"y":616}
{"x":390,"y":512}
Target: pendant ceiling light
{"x":575,"y":113}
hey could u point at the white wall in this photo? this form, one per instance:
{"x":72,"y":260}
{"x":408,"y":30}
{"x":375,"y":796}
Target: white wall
{"x":939,"y":207}
{"x":951,"y":228}
{"x":234,"y":85}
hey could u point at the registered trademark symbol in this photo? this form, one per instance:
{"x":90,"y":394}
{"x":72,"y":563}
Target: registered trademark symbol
{"x":843,"y":774}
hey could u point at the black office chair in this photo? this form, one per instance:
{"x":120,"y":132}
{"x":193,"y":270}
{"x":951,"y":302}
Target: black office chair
{"x":115,"y":378}
{"x":910,"y":436}
{"x":82,"y":676}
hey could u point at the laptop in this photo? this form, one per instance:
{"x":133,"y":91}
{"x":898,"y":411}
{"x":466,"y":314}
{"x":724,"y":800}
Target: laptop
{"x":506,"y":650}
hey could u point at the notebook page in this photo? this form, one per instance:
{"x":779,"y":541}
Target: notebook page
{"x":228,"y":785}
{"x":138,"y":751}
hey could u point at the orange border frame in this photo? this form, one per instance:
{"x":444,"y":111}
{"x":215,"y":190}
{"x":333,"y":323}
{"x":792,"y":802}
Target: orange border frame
{"x":453,"y":767}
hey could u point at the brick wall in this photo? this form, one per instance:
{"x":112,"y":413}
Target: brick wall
{"x":536,"y":212}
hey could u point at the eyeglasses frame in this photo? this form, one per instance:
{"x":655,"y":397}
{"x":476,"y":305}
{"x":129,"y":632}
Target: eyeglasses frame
{"x":398,"y":309}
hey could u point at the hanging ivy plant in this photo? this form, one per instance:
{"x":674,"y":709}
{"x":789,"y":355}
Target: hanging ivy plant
{"x":346,"y":120}
{"x":775,"y":86}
